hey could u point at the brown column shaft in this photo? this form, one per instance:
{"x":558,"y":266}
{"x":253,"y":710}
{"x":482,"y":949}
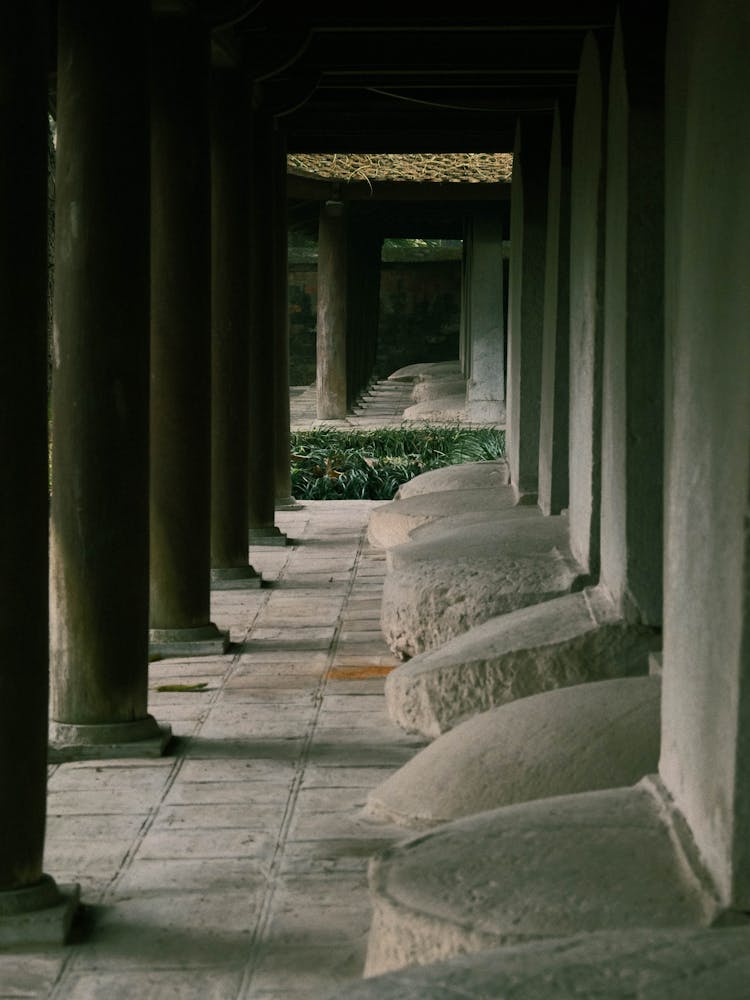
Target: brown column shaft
{"x":99,"y":524}
{"x":23,"y":442}
{"x":331,"y":347}
{"x":281,"y":415}
{"x":261,"y":447}
{"x":180,"y":326}
{"x":230,"y":320}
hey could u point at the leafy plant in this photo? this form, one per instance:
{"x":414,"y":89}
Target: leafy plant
{"x":332,"y":464}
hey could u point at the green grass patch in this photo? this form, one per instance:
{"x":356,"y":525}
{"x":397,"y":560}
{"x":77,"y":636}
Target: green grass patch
{"x":332,"y":464}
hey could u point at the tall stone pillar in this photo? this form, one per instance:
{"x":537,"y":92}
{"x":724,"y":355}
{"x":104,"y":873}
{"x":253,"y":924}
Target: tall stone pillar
{"x":331,"y":339}
{"x":100,"y":399}
{"x":261,"y":446}
{"x":705,"y":739}
{"x":280,"y":319}
{"x":484,"y":317}
{"x":34,"y":910}
{"x":180,"y":342}
{"x":230,"y":331}
{"x":528,"y":239}
{"x":633,"y":355}
{"x":587,"y":305}
{"x":552,"y":495}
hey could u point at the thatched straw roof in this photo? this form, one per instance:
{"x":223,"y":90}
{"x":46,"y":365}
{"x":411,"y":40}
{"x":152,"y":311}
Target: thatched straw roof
{"x":422,"y":167}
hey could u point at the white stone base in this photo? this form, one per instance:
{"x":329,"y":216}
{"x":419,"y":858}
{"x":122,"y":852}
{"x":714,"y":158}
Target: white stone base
{"x":612,"y":860}
{"x":650,"y":964}
{"x":446,"y":409}
{"x":409,"y":373}
{"x":574,"y":739}
{"x":429,"y":387}
{"x":571,"y":639}
{"x":452,"y":577}
{"x":466,"y":476}
{"x":393,"y":523}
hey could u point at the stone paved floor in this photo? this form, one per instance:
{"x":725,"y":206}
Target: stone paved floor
{"x":235,"y":866}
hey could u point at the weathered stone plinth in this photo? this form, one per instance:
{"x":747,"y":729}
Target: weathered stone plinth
{"x":448,"y":579}
{"x":205,"y":640}
{"x":467,"y":476}
{"x":393,"y":523}
{"x":609,"y":860}
{"x":575,"y":739}
{"x":266,"y":536}
{"x":235,"y":578}
{"x":410,"y":373}
{"x":655,"y":964}
{"x":572,"y":639}
{"x":429,"y":387}
{"x":37,"y":916}
{"x":449,"y":408}
{"x":140,"y":738}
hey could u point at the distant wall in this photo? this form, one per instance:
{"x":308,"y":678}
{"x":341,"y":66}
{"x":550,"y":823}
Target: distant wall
{"x":420,"y":305}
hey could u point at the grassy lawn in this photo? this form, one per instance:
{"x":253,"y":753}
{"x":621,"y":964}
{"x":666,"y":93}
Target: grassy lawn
{"x":329,"y":464}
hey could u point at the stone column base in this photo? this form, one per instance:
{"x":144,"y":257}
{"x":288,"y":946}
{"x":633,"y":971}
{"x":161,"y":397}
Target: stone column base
{"x":266,"y":536}
{"x":287,"y":503}
{"x":141,"y":738}
{"x":235,"y":578}
{"x":205,"y":640}
{"x":40,"y":915}
{"x":484,"y":411}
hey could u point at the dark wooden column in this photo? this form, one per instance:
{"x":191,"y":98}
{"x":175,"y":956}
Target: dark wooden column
{"x":280,"y":318}
{"x":180,"y":342}
{"x":25,"y":890}
{"x":99,"y":523}
{"x":230,"y":330}
{"x":261,"y":447}
{"x":332,"y":318}
{"x":363,"y":297}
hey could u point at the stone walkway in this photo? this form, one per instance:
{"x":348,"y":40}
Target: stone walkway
{"x":235,"y":866}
